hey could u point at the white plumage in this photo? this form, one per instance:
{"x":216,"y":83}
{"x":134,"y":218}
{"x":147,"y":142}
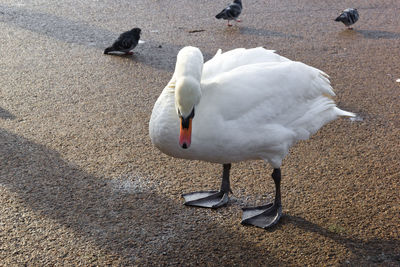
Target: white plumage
{"x":245,"y":104}
{"x":254,"y":105}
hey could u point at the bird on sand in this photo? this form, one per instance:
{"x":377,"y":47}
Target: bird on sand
{"x":244,"y":104}
{"x":231,"y":12}
{"x":125,"y":42}
{"x":349,"y":16}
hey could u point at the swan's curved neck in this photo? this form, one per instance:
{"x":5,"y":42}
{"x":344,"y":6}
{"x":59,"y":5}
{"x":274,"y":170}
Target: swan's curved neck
{"x":189,"y":62}
{"x":187,"y":76}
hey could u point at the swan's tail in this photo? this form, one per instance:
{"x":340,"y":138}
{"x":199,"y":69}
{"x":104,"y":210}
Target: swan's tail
{"x":340,"y":112}
{"x":320,"y":111}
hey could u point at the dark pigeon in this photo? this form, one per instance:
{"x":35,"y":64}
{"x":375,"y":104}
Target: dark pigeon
{"x":125,"y":42}
{"x":231,"y":12}
{"x":349,"y":16}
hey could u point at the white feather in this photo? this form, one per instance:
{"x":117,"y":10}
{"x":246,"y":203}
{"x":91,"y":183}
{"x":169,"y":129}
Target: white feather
{"x":254,"y":104}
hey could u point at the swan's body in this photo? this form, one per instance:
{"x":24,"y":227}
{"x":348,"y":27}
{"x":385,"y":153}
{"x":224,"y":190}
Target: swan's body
{"x":248,"y":104}
{"x":254,"y":105}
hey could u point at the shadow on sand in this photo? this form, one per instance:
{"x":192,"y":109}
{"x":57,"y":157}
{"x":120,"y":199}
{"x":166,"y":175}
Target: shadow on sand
{"x":372,"y":34}
{"x":6,"y":115}
{"x":59,"y":28}
{"x":372,"y":251}
{"x":157,"y":55}
{"x":369,"y":34}
{"x":123,"y":217}
{"x":266,"y":33}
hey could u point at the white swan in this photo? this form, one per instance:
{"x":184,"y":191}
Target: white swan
{"x":244,"y":104}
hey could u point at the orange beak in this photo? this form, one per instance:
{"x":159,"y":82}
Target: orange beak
{"x":185,"y":134}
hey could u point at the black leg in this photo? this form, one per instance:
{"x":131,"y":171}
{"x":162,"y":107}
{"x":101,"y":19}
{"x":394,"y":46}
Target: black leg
{"x":267,"y":215}
{"x":211,"y":199}
{"x":276,"y":175}
{"x":225,"y":185}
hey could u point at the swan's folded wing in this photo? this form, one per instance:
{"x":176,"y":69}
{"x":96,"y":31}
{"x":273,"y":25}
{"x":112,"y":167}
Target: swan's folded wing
{"x":275,"y":92}
{"x":224,"y":62}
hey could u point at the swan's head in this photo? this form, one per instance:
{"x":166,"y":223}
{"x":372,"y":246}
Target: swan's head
{"x":187,"y":96}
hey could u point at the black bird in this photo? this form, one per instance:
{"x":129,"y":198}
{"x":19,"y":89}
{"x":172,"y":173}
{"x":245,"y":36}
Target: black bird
{"x":349,"y":16}
{"x":125,"y":42}
{"x":231,"y":12}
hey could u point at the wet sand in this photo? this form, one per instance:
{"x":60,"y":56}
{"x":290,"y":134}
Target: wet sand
{"x":81,"y":184}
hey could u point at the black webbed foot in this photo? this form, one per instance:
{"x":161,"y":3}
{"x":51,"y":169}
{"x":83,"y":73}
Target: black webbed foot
{"x":211,"y":199}
{"x":267,"y":215}
{"x":206,"y":199}
{"x":262,"y":216}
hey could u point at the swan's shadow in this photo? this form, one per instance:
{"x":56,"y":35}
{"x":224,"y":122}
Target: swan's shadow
{"x":4,"y":114}
{"x":373,"y":251}
{"x":126,"y":216}
{"x":123,"y":216}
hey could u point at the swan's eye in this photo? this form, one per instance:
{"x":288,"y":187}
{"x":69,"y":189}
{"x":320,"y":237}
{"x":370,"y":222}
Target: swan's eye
{"x":191,"y":114}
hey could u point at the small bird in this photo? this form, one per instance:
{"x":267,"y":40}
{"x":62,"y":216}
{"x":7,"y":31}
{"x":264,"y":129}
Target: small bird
{"x":231,"y":12}
{"x":125,"y":42}
{"x":349,"y":16}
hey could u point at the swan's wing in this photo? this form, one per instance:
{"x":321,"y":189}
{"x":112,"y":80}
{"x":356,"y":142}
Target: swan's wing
{"x":260,"y":110}
{"x":224,"y":62}
{"x":289,"y":94}
{"x":274,"y":84}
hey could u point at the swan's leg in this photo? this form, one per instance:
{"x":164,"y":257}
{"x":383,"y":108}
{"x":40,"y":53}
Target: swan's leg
{"x":268,"y":215}
{"x":211,"y":199}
